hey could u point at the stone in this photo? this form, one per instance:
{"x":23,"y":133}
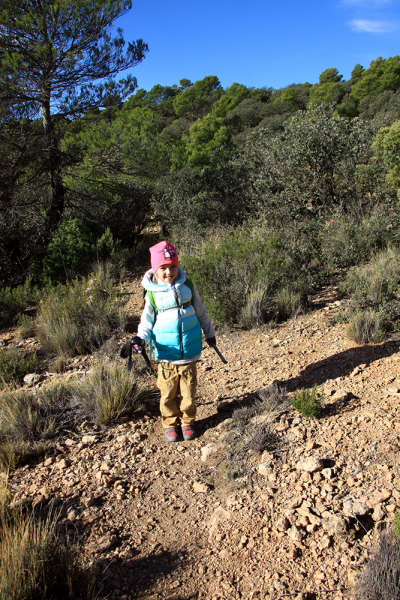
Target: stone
{"x":378,"y":498}
{"x":200,"y":488}
{"x":353,"y":508}
{"x":224,"y":554}
{"x":64,"y":463}
{"x":219,"y":515}
{"x":327,"y":473}
{"x":89,"y":439}
{"x":265,"y":469}
{"x":310,"y":465}
{"x":296,"y":534}
{"x":282,"y":524}
{"x":32,"y":379}
{"x":209,"y":451}
{"x":336,"y":525}
{"x":325,"y":542}
{"x":378,"y":513}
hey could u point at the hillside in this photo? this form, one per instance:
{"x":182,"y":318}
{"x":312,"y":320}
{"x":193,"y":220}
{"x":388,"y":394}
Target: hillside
{"x":161,"y":520}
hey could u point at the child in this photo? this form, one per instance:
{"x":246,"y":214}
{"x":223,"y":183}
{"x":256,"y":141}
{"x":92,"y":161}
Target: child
{"x":174,"y":328}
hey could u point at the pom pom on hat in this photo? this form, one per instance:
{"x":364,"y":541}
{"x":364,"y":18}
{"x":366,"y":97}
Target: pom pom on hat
{"x":163,"y":253}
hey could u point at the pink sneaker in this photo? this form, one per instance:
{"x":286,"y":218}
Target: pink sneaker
{"x":171,"y":434}
{"x":188,"y":432}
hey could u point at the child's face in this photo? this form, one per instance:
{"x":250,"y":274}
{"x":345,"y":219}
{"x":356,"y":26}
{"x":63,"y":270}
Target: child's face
{"x":167,"y":273}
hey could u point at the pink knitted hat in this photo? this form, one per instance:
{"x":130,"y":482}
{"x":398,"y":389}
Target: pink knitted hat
{"x":163,"y":253}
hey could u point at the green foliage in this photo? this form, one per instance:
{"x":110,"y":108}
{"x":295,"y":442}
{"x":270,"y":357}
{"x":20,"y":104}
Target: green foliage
{"x":13,"y":301}
{"x":311,"y":168}
{"x":109,"y":393}
{"x":14,"y":365}
{"x":308,"y":402}
{"x":349,"y":238}
{"x":210,"y":132}
{"x":383,"y":74}
{"x":198,"y":98}
{"x":60,"y":58}
{"x":227,"y":274}
{"x":288,"y":302}
{"x":26,"y":327}
{"x":75,"y":319}
{"x":376,"y":284}
{"x":387,"y":145}
{"x":72,"y":249}
{"x":218,"y":193}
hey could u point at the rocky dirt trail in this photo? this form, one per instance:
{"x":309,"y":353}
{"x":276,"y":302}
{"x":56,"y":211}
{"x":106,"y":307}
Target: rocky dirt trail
{"x":161,"y":520}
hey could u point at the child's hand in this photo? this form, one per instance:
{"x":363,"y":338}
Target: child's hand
{"x":137,"y":344}
{"x":211,"y":341}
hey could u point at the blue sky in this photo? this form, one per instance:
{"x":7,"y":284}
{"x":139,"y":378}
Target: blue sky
{"x":270,"y":43}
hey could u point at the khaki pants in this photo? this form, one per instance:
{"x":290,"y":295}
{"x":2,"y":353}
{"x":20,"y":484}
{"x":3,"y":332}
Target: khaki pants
{"x":170,"y":379}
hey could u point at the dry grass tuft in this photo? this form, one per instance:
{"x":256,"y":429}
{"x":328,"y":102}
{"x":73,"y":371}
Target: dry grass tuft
{"x":110,"y":392}
{"x":379,"y":580}
{"x":33,"y":564}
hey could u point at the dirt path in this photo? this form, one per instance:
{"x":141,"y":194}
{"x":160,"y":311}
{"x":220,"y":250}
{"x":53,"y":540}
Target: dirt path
{"x":160,"y":520}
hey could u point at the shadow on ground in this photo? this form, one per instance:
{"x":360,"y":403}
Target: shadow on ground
{"x":339,"y":365}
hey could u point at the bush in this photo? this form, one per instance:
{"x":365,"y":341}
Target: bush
{"x":26,"y":417}
{"x":26,"y":327}
{"x":109,"y":393}
{"x":252,"y":431}
{"x":379,"y":580}
{"x":75,"y":319}
{"x":375,"y":284}
{"x":72,"y":249}
{"x":33,"y":564}
{"x":15,"y":300}
{"x":14,"y":365}
{"x":366,"y":326}
{"x":227,"y":275}
{"x":350,"y":238}
{"x":288,"y":302}
{"x":308,"y":402}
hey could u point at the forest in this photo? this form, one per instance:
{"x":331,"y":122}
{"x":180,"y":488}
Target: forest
{"x":266,"y":192}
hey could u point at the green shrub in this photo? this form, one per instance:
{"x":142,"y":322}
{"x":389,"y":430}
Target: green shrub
{"x":230,"y":272}
{"x":288,"y":302}
{"x":254,"y":311}
{"x":13,"y":301}
{"x":366,"y":326}
{"x":77,"y":318}
{"x":375,"y":284}
{"x":26,"y":327}
{"x":110,"y":393}
{"x":308,"y":402}
{"x":347,"y":239}
{"x":76,"y":245}
{"x":14,"y":365}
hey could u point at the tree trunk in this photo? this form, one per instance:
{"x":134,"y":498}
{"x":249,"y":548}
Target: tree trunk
{"x":56,"y":208}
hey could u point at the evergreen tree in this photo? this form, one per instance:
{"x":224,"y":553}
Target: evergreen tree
{"x":52,"y":56}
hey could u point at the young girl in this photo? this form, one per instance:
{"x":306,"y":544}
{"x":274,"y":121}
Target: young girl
{"x":173,"y":319}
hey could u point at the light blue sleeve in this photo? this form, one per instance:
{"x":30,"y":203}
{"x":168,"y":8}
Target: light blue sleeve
{"x":146,"y":321}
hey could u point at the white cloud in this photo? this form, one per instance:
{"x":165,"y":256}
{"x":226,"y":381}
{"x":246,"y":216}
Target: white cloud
{"x":372,"y":26}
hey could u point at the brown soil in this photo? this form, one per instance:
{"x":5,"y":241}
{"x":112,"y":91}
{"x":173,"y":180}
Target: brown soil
{"x":162,"y":520}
